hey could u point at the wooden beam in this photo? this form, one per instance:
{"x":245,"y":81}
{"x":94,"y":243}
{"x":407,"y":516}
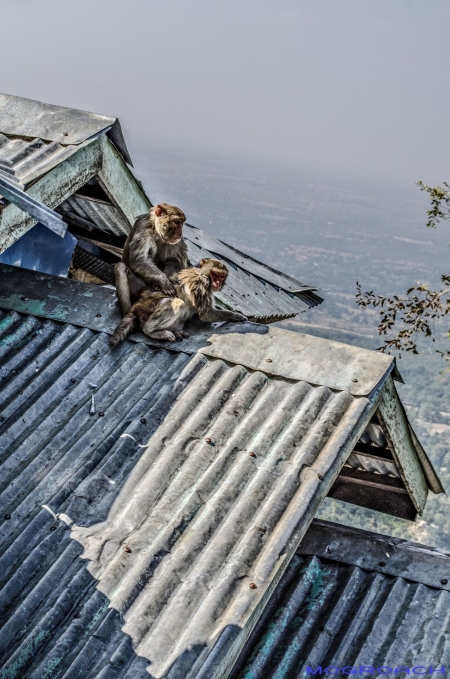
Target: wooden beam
{"x":373,"y":491}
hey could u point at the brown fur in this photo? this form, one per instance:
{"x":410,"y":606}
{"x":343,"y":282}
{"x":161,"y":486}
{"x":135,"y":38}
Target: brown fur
{"x":153,"y":252}
{"x":161,"y":317}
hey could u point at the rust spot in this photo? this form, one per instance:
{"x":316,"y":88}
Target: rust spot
{"x":252,"y":585}
{"x":127,"y":549}
{"x":143,"y":420}
{"x":252,"y":454}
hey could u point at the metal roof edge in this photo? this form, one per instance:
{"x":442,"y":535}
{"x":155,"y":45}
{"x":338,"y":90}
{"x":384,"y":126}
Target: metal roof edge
{"x":381,"y":553}
{"x":115,"y":134}
{"x":274,"y":351}
{"x":247,"y":263}
{"x":30,"y":118}
{"x":417,"y":473}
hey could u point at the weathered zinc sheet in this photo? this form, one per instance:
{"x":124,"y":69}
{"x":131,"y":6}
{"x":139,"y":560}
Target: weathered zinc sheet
{"x":153,"y":529}
{"x":24,"y":160}
{"x":291,"y":355}
{"x":254,"y":296}
{"x":341,"y":603}
{"x":99,"y":213}
{"x":29,"y":118}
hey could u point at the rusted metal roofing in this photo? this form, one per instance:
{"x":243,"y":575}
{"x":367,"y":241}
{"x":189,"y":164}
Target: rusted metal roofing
{"x":353,"y":599}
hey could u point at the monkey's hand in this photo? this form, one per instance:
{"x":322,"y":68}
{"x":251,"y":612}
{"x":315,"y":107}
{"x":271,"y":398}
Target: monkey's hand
{"x":165,"y":286}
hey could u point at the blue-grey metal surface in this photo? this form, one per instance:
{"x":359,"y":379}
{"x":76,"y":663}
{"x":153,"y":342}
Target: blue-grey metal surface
{"x":52,"y":220}
{"x":30,"y":119}
{"x":280,"y":353}
{"x":40,"y":249}
{"x":145,"y":455}
{"x":253,"y":288}
{"x":255,"y":297}
{"x":327,"y":612}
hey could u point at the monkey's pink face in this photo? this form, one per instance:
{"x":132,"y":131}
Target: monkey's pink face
{"x":218,"y":279}
{"x":175,"y":230}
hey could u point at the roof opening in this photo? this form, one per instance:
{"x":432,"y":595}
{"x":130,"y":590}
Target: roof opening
{"x":370,"y":478}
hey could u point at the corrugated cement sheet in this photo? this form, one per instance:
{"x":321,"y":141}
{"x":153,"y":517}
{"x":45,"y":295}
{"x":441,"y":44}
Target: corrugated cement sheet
{"x":341,"y":605}
{"x":150,"y":500}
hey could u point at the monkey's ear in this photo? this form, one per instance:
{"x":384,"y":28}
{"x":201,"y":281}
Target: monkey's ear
{"x":202,"y":262}
{"x":159,"y":210}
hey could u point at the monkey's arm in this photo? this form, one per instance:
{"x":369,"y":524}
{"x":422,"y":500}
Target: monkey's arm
{"x":213,"y":315}
{"x":146,"y":269}
{"x":173,"y":266}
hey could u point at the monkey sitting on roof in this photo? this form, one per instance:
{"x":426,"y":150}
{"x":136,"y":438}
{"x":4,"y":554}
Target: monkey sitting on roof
{"x":163,"y":318}
{"x":153,"y":252}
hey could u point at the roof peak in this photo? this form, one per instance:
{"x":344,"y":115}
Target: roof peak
{"x":29,"y":118}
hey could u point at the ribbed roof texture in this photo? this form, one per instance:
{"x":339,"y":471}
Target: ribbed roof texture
{"x":168,"y":529}
{"x":23,"y":160}
{"x":326,"y":613}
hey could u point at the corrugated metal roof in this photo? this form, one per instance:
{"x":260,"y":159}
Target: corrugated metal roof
{"x":30,"y":119}
{"x":253,"y":288}
{"x":329,"y":612}
{"x":101,"y":214}
{"x":174,"y":528}
{"x":280,"y":353}
{"x":24,"y":160}
{"x":37,"y":137}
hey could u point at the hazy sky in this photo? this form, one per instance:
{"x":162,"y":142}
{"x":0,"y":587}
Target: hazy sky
{"x":348,"y":85}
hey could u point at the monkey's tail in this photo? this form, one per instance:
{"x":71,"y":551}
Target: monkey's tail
{"x":123,"y":329}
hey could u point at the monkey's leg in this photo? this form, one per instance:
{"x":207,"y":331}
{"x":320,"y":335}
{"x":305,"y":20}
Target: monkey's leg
{"x":162,"y":334}
{"x":122,"y":287}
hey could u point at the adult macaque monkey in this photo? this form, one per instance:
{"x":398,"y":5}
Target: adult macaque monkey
{"x":163,"y":318}
{"x":153,"y":251}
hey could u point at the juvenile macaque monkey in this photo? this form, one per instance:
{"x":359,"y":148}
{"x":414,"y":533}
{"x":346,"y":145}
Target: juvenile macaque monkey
{"x":153,"y":251}
{"x":163,"y":318}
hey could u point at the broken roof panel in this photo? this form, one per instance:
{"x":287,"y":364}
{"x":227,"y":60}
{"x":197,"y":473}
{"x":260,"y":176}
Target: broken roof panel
{"x":352,"y":599}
